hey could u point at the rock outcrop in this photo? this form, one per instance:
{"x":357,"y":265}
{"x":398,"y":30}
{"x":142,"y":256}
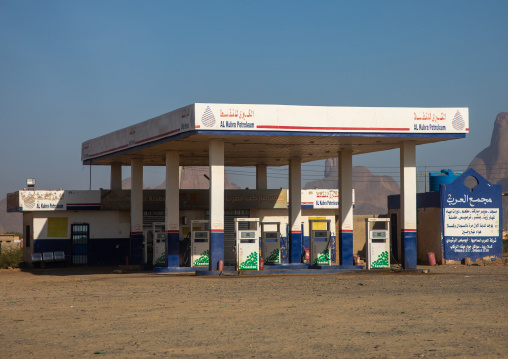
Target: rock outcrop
{"x":492,"y":162}
{"x":10,"y":222}
{"x":192,"y":177}
{"x":371,"y":191}
{"x":197,"y":177}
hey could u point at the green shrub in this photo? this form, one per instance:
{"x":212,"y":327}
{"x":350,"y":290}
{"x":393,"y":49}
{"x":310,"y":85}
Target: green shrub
{"x":11,"y":258}
{"x":505,"y":248}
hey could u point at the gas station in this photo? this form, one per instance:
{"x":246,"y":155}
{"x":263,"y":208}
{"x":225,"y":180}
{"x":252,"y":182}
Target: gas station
{"x":219,"y":135}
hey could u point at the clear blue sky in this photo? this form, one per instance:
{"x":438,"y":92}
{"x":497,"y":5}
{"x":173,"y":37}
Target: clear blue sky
{"x":74,"y":70}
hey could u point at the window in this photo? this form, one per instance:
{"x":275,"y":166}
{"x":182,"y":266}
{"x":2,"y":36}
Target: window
{"x":28,"y":236}
{"x":79,"y":236}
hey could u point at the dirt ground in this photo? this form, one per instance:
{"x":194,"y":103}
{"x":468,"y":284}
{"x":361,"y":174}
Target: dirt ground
{"x":452,"y":311}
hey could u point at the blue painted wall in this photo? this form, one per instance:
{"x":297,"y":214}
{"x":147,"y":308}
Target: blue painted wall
{"x":423,"y":200}
{"x":107,"y":251}
{"x":136,"y":249}
{"x":54,"y":245}
{"x":101,"y":251}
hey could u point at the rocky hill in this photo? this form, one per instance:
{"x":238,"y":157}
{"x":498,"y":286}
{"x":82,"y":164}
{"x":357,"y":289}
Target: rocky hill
{"x":492,"y":162}
{"x":194,"y":178}
{"x":10,"y":222}
{"x":370,"y":190}
{"x":126,"y":183}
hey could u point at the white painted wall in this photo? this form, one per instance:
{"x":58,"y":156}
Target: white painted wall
{"x":103,"y":224}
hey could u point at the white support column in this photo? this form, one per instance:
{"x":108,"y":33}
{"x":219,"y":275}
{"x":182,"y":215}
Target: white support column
{"x":346,"y":207}
{"x":216,"y":162}
{"x":172,"y":209}
{"x":295,"y":210}
{"x":408,"y":210}
{"x":116,"y":176}
{"x":136,"y":212}
{"x":261,"y":177}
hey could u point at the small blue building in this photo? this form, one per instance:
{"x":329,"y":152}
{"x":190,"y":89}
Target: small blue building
{"x":461,"y":220}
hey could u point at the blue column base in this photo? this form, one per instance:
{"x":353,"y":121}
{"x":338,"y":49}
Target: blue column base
{"x":346,"y":248}
{"x":216,"y":249}
{"x":295,"y":247}
{"x":136,"y":248}
{"x":173,"y":249}
{"x":409,"y":249}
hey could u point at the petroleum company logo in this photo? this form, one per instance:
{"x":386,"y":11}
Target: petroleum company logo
{"x":208,"y":119}
{"x":458,"y":122}
{"x":28,"y":200}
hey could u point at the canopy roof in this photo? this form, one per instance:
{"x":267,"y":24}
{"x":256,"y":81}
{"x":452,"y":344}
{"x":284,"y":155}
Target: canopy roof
{"x":273,"y":134}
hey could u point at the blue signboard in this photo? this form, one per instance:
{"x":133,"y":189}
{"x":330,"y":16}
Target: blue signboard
{"x":471,"y":218}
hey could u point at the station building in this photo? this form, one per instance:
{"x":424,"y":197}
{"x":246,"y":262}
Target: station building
{"x":92,"y":227}
{"x":219,"y":135}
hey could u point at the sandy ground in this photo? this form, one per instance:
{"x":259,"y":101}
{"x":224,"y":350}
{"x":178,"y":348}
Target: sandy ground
{"x":452,"y":311}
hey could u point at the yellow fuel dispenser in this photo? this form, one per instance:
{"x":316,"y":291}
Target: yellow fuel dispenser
{"x":200,"y":243}
{"x":247,"y":244}
{"x":378,"y":243}
{"x":320,"y":242}
{"x":270,"y":242}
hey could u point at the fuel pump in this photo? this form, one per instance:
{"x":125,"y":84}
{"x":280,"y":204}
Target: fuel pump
{"x":200,"y":243}
{"x":159,"y":243}
{"x":148,"y":246}
{"x":378,"y":244}
{"x":320,"y":246}
{"x":270,"y":242}
{"x":247,"y":244}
